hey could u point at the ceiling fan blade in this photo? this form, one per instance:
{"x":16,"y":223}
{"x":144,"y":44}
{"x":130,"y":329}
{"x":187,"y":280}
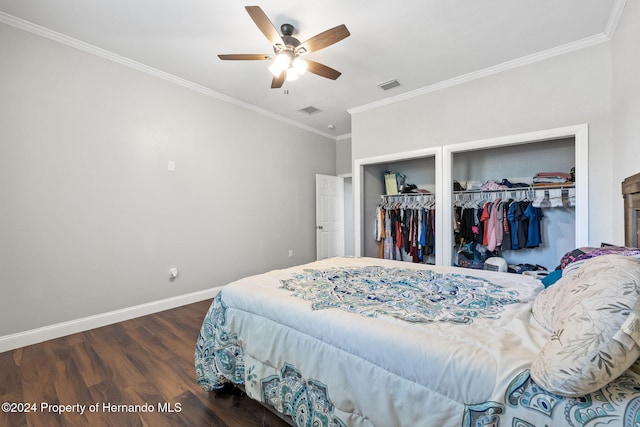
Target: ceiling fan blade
{"x":322,"y":40}
{"x":265,"y":25}
{"x":277,"y":82}
{"x":322,"y":70}
{"x":245,"y":56}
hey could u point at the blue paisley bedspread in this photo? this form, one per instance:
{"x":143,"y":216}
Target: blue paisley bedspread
{"x":357,"y":341}
{"x":412,"y":295}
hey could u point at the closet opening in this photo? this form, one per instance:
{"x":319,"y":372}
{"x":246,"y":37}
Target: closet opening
{"x":420,"y":169}
{"x":540,"y":177}
{"x":535,"y":221}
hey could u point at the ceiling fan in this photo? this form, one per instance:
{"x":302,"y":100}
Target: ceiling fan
{"x":288,"y":50}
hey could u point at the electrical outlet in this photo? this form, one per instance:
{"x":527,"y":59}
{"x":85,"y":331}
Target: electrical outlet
{"x":173,"y":273}
{"x":290,"y":253}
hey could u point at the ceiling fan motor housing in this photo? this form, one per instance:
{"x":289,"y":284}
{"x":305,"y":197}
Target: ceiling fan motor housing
{"x":290,"y":42}
{"x":287,"y":29}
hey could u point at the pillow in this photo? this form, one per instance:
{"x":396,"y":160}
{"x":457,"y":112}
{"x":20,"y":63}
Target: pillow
{"x":590,"y":312}
{"x":587,"y":252}
{"x":545,"y":307}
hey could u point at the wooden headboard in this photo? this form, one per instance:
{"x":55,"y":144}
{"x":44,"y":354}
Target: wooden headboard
{"x":631,"y":194}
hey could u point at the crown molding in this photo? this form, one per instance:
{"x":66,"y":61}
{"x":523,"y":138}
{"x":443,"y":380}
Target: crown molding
{"x":485,"y":72}
{"x":610,"y":29}
{"x":110,"y":56}
{"x":607,"y":35}
{"x":614,"y":17}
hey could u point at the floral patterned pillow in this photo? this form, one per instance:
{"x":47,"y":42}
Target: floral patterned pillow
{"x":588,"y":312}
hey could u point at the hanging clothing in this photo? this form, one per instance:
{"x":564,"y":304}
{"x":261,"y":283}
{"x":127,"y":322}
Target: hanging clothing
{"x":396,"y":234}
{"x":409,"y":231}
{"x":484,"y":219}
{"x":501,"y":225}
{"x":506,"y":227}
{"x":380,"y":231}
{"x":534,"y":237}
{"x":513,"y":221}
{"x":523,"y":223}
{"x":430,"y":234}
{"x":388,"y":239}
{"x":494,"y":231}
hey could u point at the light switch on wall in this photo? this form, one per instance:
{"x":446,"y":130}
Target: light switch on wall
{"x":171,"y":166}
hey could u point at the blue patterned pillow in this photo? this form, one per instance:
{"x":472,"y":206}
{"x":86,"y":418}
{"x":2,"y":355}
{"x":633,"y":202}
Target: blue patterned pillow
{"x":587,"y":312}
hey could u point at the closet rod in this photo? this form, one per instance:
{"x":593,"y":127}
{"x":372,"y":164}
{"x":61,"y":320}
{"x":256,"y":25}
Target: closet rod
{"x":529,"y":188}
{"x":408,"y":195}
{"x":408,"y":200}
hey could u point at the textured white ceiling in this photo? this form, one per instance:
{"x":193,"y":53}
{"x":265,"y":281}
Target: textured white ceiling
{"x":420,"y":43}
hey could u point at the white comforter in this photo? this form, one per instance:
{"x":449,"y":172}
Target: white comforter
{"x":365,"y":364}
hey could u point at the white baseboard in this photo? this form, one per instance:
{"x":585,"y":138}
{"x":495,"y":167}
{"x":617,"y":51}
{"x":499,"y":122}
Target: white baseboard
{"x":34,"y":336}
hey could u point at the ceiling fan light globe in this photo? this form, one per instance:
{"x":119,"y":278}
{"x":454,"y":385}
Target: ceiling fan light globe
{"x":280,"y":64}
{"x":275,"y":69}
{"x":300,"y":65}
{"x":292,"y":75}
{"x":283,"y":60}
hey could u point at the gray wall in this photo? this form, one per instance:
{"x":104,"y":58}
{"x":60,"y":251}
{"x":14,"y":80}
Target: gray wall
{"x":565,"y":90}
{"x":343,"y":155}
{"x":512,"y":162}
{"x":626,"y":106}
{"x":91,"y":219}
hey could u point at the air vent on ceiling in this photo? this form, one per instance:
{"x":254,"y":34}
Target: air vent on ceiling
{"x":389,"y":85}
{"x":310,"y":110}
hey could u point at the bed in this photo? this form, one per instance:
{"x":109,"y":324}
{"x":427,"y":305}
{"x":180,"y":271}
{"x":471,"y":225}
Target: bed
{"x":373,"y":342}
{"x":631,"y":194}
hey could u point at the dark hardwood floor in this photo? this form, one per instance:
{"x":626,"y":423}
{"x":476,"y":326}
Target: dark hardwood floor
{"x":144,"y":361}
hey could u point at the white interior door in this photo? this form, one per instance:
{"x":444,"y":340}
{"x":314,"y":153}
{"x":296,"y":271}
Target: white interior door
{"x":329,"y":216}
